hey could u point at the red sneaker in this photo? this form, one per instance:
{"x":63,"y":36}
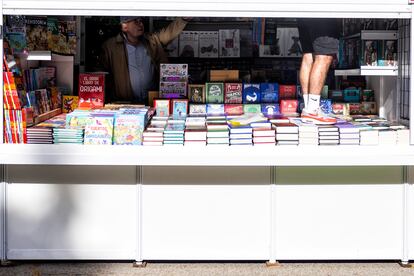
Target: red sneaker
{"x":320,"y":118}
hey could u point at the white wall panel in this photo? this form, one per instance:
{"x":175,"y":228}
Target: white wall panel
{"x":56,"y":212}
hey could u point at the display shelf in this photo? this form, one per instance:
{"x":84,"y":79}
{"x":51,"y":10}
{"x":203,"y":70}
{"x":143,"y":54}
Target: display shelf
{"x":207,"y":155}
{"x":369,"y":71}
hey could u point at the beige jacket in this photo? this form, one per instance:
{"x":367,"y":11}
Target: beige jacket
{"x":115,"y":61}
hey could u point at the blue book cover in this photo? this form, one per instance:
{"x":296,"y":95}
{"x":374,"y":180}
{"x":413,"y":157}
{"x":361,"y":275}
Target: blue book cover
{"x":270,"y":108}
{"x":251,"y":93}
{"x":326,"y":106}
{"x":269,"y":92}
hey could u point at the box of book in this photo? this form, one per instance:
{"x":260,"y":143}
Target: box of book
{"x":129,"y":127}
{"x":270,"y":108}
{"x":196,"y":93}
{"x":224,"y":75}
{"x":233,"y":93}
{"x":69,"y":103}
{"x":215,"y":109}
{"x":351,"y":95}
{"x":214,"y":92}
{"x":162,"y":107}
{"x":208,"y":44}
{"x":91,"y":90}
{"x":252,"y":108}
{"x":198,"y":109}
{"x":233,"y":109}
{"x":269,"y":92}
{"x":179,"y":107}
{"x":251,"y":93}
{"x":287,"y":92}
{"x":288,"y":106}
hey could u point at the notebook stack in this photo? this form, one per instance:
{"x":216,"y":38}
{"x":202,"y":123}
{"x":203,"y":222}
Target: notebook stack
{"x":308,"y":133}
{"x":68,"y":136}
{"x":328,"y":135}
{"x":174,"y":134}
{"x":241,"y":135}
{"x":263,"y":133}
{"x":387,"y":137}
{"x":195,"y":135}
{"x":368,"y":137}
{"x":286,"y":133}
{"x":348,"y":134}
{"x":403,"y":136}
{"x":39,"y":135}
{"x":217,"y":133}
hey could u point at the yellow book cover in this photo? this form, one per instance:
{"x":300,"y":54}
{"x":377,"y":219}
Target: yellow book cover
{"x":69,"y":103}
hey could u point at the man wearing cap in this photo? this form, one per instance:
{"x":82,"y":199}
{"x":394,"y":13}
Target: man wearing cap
{"x":133,"y":58}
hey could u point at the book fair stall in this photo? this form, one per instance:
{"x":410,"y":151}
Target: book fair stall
{"x":218,"y":165}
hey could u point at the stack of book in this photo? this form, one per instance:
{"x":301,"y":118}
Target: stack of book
{"x":153,"y":137}
{"x":387,"y":137}
{"x":241,"y":135}
{"x":39,"y":135}
{"x":129,"y":126}
{"x":368,"y":137}
{"x":263,"y":133}
{"x":403,"y":136}
{"x":287,"y":133}
{"x":68,"y":136}
{"x":308,"y":132}
{"x":328,"y":135}
{"x":174,"y":134}
{"x":348,"y":134}
{"x":195,"y":135}
{"x":217,"y":133}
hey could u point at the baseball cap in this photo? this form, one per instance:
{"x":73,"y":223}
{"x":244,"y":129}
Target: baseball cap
{"x":124,"y":19}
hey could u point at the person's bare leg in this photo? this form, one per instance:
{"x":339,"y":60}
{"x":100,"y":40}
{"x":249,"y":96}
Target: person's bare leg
{"x":304,"y":76}
{"x":318,"y":74}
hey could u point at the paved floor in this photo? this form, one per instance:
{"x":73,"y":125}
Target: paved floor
{"x":201,"y":269}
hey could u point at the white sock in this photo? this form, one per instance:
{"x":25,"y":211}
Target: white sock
{"x":305,"y":100}
{"x":313,"y":103}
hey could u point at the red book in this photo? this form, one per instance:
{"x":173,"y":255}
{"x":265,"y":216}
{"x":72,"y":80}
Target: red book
{"x":287,"y":92}
{"x":288,"y":106}
{"x":233,"y":93}
{"x":91,"y":90}
{"x":233,"y":109}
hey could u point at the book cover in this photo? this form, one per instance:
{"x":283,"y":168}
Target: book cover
{"x":233,"y":109}
{"x":215,"y":109}
{"x":173,"y":89}
{"x":128,"y":128}
{"x":99,"y":131}
{"x":69,"y":103}
{"x":91,"y":90}
{"x":229,"y":43}
{"x":269,"y":92}
{"x":369,"y":54}
{"x":208,"y":44}
{"x":188,"y":44}
{"x":36,"y":33}
{"x":233,"y":93}
{"x":198,"y":109}
{"x":173,"y":72}
{"x":252,"y":108}
{"x":287,"y":92}
{"x":179,"y":107}
{"x":162,"y":107}
{"x":17,"y":42}
{"x":251,"y":93}
{"x":214,"y":92}
{"x":270,"y":109}
{"x":196,"y":93}
{"x":288,"y":106}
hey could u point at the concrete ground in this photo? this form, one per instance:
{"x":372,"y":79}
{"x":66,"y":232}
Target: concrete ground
{"x":201,"y":269}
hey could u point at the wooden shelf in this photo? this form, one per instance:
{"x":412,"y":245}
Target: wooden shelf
{"x":47,"y":115}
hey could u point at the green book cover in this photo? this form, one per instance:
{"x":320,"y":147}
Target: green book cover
{"x":215,"y":92}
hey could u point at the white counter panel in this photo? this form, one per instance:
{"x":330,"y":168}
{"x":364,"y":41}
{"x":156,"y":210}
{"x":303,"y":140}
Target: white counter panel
{"x":215,"y":214}
{"x":56,"y":212}
{"x":336,"y":220}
